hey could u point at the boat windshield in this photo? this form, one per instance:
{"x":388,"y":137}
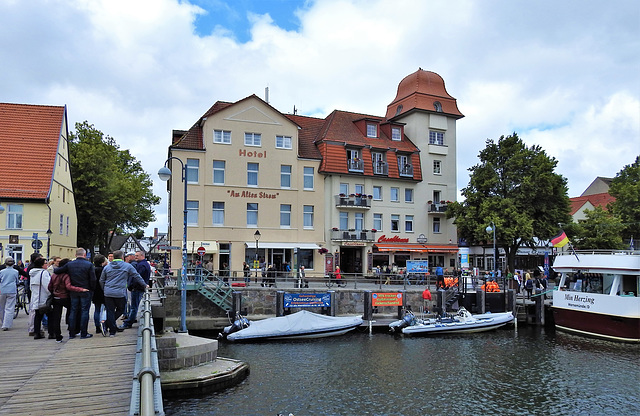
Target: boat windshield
{"x":603,"y":283}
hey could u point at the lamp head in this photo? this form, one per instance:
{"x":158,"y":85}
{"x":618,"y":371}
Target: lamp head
{"x":488,"y":229}
{"x":256,"y":235}
{"x":164,"y":173}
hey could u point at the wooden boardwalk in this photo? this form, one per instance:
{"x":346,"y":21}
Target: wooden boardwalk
{"x":79,"y":376}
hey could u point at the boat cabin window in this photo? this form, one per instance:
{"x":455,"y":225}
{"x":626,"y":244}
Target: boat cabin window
{"x":630,"y":285}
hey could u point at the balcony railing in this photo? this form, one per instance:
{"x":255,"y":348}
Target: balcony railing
{"x":440,"y":207}
{"x":355,"y":165}
{"x":355,"y":201}
{"x":380,"y":168}
{"x":352,"y":235}
{"x":406,"y":170}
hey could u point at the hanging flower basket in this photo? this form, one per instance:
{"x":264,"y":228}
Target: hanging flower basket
{"x":323,"y":250}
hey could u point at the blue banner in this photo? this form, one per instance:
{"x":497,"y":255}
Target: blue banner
{"x":307,"y":300}
{"x":417,"y":266}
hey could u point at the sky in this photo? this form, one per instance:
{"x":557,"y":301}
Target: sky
{"x":564,"y":75}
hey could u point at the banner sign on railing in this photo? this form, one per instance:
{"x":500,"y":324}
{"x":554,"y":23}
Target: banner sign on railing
{"x":386,"y":299}
{"x":307,"y":300}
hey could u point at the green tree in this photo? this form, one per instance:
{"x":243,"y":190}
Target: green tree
{"x":600,"y":230}
{"x":625,"y":187}
{"x":515,"y":187}
{"x":111,"y":189}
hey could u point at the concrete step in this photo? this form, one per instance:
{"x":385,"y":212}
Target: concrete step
{"x":177,"y":351}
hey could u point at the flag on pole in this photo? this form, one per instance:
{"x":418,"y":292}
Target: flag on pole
{"x":560,"y":240}
{"x":631,"y":247}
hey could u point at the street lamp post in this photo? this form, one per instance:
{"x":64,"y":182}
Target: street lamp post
{"x":165,"y":174}
{"x":256,"y":235}
{"x":49,"y":234}
{"x":492,"y":228}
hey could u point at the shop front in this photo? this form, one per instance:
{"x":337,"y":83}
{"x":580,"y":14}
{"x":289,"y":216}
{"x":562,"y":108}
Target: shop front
{"x":399,"y":253}
{"x":281,"y":255}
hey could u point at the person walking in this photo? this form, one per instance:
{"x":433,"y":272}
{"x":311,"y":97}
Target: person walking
{"x":82,"y":273}
{"x":60,"y":286}
{"x":99,"y":261}
{"x":247,"y":273}
{"x":40,"y":279}
{"x":115,"y":278}
{"x":303,"y":278}
{"x":9,"y":278}
{"x":143,"y":268}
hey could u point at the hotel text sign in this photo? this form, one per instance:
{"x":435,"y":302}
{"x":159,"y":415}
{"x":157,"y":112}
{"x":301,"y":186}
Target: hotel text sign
{"x":249,"y":194}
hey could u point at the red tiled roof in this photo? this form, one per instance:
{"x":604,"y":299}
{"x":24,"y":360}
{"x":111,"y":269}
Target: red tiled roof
{"x":29,"y":137}
{"x":597,"y":200}
{"x":421,"y":90}
{"x":309,"y":129}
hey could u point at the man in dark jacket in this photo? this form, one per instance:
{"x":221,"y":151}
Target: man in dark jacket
{"x":82,"y":273}
{"x":143,"y":268}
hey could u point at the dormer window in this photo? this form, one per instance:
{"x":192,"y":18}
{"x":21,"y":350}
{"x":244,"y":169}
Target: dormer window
{"x":396,"y":134}
{"x":372,"y":130}
{"x":437,"y":106}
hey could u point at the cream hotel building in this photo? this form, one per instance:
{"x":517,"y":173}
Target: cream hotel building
{"x":349,"y":190}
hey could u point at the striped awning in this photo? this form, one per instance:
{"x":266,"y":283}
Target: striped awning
{"x":419,"y":248}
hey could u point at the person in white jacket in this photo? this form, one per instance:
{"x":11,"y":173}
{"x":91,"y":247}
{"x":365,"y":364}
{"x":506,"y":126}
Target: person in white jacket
{"x":40,"y":278}
{"x":8,"y":293}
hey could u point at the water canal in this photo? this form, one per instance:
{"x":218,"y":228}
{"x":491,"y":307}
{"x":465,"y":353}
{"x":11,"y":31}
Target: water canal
{"x":521,"y":371}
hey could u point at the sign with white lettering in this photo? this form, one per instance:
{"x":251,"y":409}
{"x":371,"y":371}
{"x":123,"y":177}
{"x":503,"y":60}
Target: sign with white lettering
{"x":307,"y":300}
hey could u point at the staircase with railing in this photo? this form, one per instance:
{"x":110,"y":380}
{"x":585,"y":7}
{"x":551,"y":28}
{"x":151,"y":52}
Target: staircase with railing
{"x":212,"y":287}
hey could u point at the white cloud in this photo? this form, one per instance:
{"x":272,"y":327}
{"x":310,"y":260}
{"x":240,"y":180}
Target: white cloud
{"x":567,"y":80}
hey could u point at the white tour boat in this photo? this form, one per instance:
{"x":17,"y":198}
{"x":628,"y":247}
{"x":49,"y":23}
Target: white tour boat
{"x":598,"y":294}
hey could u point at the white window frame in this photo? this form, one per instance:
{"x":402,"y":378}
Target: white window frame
{"x":308,"y":178}
{"x":395,"y":194}
{"x":408,"y":223}
{"x":344,"y":188}
{"x":285,"y":176}
{"x":344,"y":221}
{"x":192,"y":168}
{"x":283,"y":142}
{"x":372,"y":130}
{"x":222,"y":136}
{"x":377,"y":193}
{"x":396,"y":134}
{"x":359,"y":221}
{"x":377,"y":222}
{"x":219,"y":169}
{"x":253,"y":139}
{"x":395,"y":223}
{"x":436,"y":137}
{"x":251,"y":214}
{"x":437,"y":167}
{"x":217,"y":211}
{"x":436,"y":225}
{"x":285,"y":215}
{"x":252,"y":174}
{"x":15,"y":216}
{"x":193,"y":208}
{"x":307,"y":217}
{"x":408,"y":195}
{"x":61,"y":224}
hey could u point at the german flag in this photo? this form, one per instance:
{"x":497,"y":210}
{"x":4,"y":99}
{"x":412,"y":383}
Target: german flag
{"x":560,"y":240}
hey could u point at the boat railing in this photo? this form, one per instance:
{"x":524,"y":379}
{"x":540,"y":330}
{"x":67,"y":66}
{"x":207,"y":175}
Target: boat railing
{"x":598,"y":252}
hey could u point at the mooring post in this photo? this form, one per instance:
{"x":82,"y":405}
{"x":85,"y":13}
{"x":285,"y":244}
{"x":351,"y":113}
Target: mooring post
{"x":480,"y":301}
{"x":236,"y":301}
{"x":539,"y":307}
{"x":368,"y":305}
{"x":279,"y":303}
{"x":332,"y":299}
{"x":404,"y":303}
{"x":511,"y":301}
{"x":440,"y":302}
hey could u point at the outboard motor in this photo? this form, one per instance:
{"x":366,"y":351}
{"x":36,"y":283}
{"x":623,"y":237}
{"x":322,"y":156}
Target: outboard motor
{"x":240,"y":323}
{"x":407,"y":320}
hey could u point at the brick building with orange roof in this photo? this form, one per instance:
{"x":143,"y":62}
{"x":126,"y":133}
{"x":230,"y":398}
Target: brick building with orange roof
{"x":36,"y":193}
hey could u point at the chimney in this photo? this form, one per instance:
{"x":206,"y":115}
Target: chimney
{"x":266,"y":94}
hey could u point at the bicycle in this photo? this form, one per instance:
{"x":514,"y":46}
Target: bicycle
{"x":333,"y":281}
{"x":22,"y":301}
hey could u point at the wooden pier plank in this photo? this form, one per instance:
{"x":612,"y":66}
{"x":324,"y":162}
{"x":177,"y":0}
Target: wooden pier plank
{"x":80,"y":376}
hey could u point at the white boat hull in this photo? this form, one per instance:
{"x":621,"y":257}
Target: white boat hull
{"x":480,"y":323}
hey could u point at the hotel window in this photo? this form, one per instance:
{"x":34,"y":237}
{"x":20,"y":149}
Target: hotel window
{"x":193,"y":165}
{"x":372,"y":130}
{"x":252,"y":139}
{"x":285,"y":176}
{"x":436,"y":197}
{"x":307,"y":216}
{"x":285,"y":215}
{"x":437,"y":167}
{"x":67,"y":226}
{"x":395,"y":194}
{"x":14,"y":217}
{"x":396,"y":134}
{"x":359,"y":221}
{"x":252,"y":215}
{"x":61,"y":224}
{"x":344,"y":188}
{"x":408,"y":195}
{"x":218,"y":213}
{"x":377,"y":222}
{"x":377,"y":193}
{"x":218,"y":172}
{"x":408,"y":223}
{"x":436,"y":225}
{"x":395,"y":222}
{"x":222,"y":136}
{"x":436,"y":137}
{"x":308,"y":178}
{"x":192,"y":212}
{"x":283,"y":142}
{"x":252,"y":174}
{"x":360,"y":189}
{"x":344,"y":220}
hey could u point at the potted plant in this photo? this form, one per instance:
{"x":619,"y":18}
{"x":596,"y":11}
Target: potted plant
{"x":323,"y":250}
{"x":334,"y":229}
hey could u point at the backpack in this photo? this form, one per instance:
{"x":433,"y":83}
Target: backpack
{"x":528,"y":284}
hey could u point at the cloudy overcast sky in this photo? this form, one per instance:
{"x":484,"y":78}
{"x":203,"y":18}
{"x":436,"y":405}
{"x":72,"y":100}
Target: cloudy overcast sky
{"x":564,"y":75}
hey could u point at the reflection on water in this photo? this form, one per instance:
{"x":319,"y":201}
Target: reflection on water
{"x":517,"y":372}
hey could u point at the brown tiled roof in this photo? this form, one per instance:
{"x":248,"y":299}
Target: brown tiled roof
{"x":420,"y":91}
{"x":29,"y":137}
{"x":597,"y":200}
{"x":309,"y":129}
